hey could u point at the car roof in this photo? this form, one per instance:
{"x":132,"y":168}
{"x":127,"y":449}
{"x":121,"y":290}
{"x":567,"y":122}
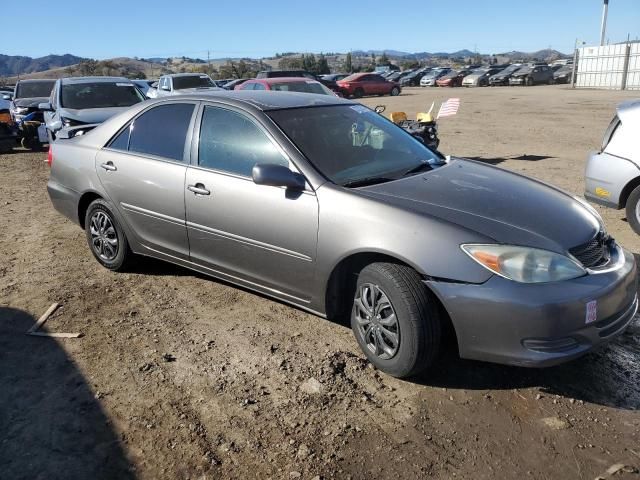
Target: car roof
{"x":74,"y":80}
{"x":262,"y":100}
{"x":284,"y":80}
{"x":34,"y":80}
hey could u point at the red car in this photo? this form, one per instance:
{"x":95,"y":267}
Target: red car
{"x":286,"y":84}
{"x":453,"y":79}
{"x":361,"y":84}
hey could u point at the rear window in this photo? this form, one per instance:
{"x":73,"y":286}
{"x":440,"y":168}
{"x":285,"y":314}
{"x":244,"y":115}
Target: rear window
{"x":100,"y":95}
{"x":161,"y":131}
{"x":35,"y":89}
{"x":195,"y":81}
{"x":303,"y":87}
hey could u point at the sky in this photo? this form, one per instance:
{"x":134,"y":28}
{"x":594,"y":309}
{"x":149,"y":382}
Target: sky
{"x":162,"y":28}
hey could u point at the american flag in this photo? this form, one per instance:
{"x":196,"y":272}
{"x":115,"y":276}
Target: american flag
{"x":448,"y":108}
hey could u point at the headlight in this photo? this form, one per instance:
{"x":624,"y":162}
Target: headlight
{"x":20,"y":110}
{"x":523,"y":264}
{"x":69,"y":122}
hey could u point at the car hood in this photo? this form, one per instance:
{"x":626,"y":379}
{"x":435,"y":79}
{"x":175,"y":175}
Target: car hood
{"x":91,"y":115}
{"x":473,"y":78}
{"x":30,"y":102}
{"x":495,"y":203}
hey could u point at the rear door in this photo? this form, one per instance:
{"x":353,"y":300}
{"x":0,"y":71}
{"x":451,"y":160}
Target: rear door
{"x":262,"y":235}
{"x":143,"y":171}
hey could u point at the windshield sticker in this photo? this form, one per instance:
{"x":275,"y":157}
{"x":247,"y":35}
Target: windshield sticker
{"x":203,"y":76}
{"x":123,"y":84}
{"x":360,"y":108}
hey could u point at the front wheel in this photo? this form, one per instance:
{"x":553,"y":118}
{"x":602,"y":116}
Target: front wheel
{"x":106,"y":238}
{"x":633,"y":210}
{"x":395,"y":91}
{"x":359,"y":93}
{"x":529,"y":81}
{"x":395,"y":319}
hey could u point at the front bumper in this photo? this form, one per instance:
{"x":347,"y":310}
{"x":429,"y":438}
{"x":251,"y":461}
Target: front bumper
{"x":516,"y":81}
{"x":539,"y":325}
{"x":606,"y":176}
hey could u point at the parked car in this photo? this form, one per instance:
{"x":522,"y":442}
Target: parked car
{"x":361,"y":84}
{"x":322,"y":203}
{"x":144,"y":85}
{"x":334,"y":77}
{"x":613,"y":173}
{"x":532,"y":75}
{"x":502,"y":77}
{"x":285,"y":84}
{"x":222,"y":82}
{"x":79,"y":101}
{"x":430,"y":79}
{"x":390,"y":67}
{"x":184,"y":83}
{"x":480,"y":77}
{"x":413,"y":79}
{"x":331,"y":84}
{"x":563,"y":74}
{"x":234,"y":83}
{"x":453,"y":78}
{"x":28,"y":95}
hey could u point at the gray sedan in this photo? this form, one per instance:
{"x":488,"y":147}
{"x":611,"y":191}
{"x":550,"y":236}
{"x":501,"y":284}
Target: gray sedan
{"x":324,"y":204}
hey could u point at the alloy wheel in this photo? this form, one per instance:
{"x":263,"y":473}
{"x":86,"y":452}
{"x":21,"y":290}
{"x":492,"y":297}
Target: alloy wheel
{"x":376,"y":320}
{"x":104,"y":239}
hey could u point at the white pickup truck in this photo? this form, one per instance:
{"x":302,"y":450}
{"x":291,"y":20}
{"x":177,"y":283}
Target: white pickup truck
{"x":182,"y":84}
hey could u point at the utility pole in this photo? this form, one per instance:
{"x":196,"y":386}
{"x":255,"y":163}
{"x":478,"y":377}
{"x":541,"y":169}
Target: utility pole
{"x":603,"y":26}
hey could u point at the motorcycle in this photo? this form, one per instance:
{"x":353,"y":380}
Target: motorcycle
{"x":424,"y":127}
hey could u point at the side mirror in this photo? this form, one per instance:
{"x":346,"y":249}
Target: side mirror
{"x":165,"y":88}
{"x":277,"y":176}
{"x":45,"y":107}
{"x":55,"y":126}
{"x":380,"y":108}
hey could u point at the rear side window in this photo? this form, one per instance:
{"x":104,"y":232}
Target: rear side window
{"x":161,"y":131}
{"x":121,"y":142}
{"x":230,"y":142}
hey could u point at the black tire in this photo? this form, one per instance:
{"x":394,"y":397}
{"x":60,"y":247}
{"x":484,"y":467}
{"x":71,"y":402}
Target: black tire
{"x":123,"y":257}
{"x":529,"y":81}
{"x":395,"y":91}
{"x":51,"y":136}
{"x":631,"y":208}
{"x":359,"y":93}
{"x":418,"y":322}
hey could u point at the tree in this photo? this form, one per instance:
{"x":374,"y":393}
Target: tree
{"x":348,"y":66}
{"x":322,"y":66}
{"x":383,"y":60}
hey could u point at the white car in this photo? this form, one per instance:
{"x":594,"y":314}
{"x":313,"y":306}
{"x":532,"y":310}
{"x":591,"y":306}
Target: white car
{"x":613,"y":173}
{"x":182,"y":84}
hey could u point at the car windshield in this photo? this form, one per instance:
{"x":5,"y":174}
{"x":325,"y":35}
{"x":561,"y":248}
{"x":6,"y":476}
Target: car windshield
{"x":100,"y":95}
{"x":352,"y":145}
{"x":565,"y":69}
{"x":352,"y":78}
{"x":35,"y":89}
{"x":303,"y":87}
{"x":192,"y":81}
{"x":526,"y":69}
{"x":511,"y":69}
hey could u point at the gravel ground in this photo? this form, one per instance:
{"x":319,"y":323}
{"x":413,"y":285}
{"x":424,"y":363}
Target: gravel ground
{"x":179,"y":376}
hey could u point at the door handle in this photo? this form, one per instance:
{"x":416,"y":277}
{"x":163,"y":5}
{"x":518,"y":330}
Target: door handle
{"x":198,"y":189}
{"x":109,"y":166}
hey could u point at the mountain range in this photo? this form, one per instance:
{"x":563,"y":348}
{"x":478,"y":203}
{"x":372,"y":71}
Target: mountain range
{"x":18,"y":65}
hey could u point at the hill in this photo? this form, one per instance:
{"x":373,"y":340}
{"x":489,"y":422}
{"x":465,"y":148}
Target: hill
{"x":18,"y":65}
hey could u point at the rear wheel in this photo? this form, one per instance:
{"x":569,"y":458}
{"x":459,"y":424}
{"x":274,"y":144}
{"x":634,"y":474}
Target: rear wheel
{"x":395,"y":319}
{"x":529,"y":81}
{"x":359,"y":93}
{"x":633,"y":210}
{"x":106,"y":238}
{"x":395,"y":91}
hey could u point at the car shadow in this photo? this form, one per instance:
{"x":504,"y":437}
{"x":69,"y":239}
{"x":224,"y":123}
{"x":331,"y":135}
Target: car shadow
{"x":51,"y":424}
{"x":608,"y":376}
{"x":498,"y":160}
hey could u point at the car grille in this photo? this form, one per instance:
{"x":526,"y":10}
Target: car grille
{"x":594,"y":253}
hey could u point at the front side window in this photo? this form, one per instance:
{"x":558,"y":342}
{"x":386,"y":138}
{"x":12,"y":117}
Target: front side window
{"x":81,"y":96}
{"x":259,"y":86}
{"x":351,"y":144}
{"x":232,"y":143}
{"x":162,"y":131}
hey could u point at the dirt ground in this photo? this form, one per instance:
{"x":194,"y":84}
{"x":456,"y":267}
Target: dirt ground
{"x":179,"y":376}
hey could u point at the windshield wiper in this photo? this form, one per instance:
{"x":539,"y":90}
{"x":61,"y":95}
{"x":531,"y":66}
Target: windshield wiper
{"x":418,"y":168}
{"x":362,"y":182}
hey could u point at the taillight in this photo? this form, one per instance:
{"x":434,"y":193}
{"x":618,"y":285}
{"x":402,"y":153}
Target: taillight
{"x":50,"y":155}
